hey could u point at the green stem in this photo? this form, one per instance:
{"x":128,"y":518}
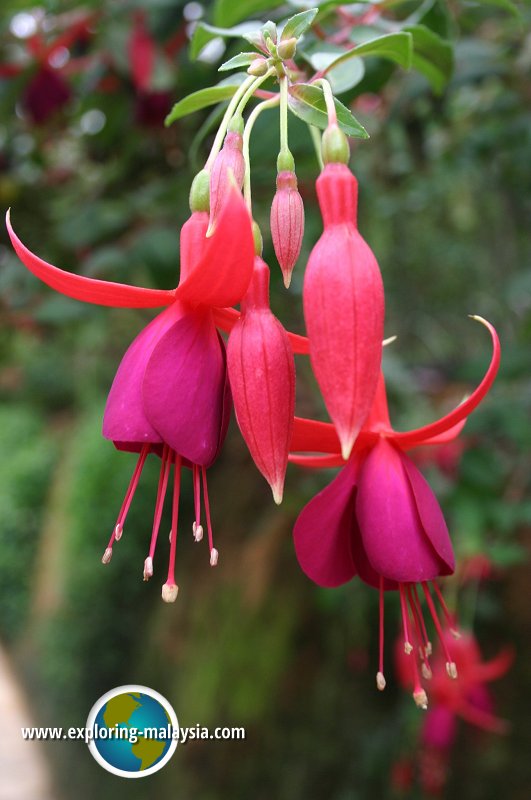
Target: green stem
{"x":329,"y":100}
{"x":253,"y":116}
{"x":284,"y":148}
{"x":257,"y":82}
{"x":316,"y":138}
{"x":229,"y":113}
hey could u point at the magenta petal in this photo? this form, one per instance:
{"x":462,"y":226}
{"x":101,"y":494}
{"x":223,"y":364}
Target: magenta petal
{"x":184,"y":387}
{"x":324,"y":532}
{"x":431,"y":515}
{"x":392,"y":533}
{"x":124,"y":420}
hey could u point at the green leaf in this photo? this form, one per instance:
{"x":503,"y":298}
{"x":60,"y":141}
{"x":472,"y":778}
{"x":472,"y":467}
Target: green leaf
{"x":201,"y":99}
{"x":241,"y":60}
{"x":505,"y":4}
{"x":204,"y":33}
{"x":298,"y":24}
{"x":308,"y":103}
{"x":432,"y":56}
{"x":397,"y":47}
{"x":229,"y":12}
{"x":345,"y":76}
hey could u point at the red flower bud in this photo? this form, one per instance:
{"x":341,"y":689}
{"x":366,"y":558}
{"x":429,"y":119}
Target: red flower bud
{"x":230,"y":158}
{"x":287,"y":223}
{"x":343,"y":308}
{"x":262,"y":379}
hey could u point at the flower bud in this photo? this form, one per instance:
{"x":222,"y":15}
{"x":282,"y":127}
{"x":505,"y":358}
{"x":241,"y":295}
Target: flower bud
{"x":262,"y":378}
{"x":287,"y":223}
{"x":343,"y":308}
{"x":287,"y":48}
{"x":258,"y":67}
{"x":229,"y":159}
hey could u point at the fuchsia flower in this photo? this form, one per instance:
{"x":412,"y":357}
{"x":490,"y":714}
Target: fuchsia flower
{"x":170,"y":395}
{"x":287,"y":223}
{"x":262,"y":379}
{"x":469,"y":698}
{"x":379,"y":518}
{"x":343,"y":308}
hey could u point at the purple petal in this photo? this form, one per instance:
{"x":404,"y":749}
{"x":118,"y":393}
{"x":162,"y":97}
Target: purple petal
{"x":184,"y":387}
{"x":324,"y":532}
{"x":391,"y":529}
{"x":431,"y":515}
{"x":124,"y":420}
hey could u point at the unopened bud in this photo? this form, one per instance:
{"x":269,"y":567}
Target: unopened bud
{"x":380,"y":681}
{"x":170,"y":592}
{"x":148,"y":568}
{"x":118,"y":532}
{"x":229,"y":159}
{"x":258,"y":67}
{"x":335,"y":146}
{"x":106,"y":557}
{"x":214,"y":556}
{"x":287,"y":223}
{"x":421,"y":699}
{"x":286,"y":49}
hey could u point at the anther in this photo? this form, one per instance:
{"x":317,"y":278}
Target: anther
{"x":118,"y":532}
{"x":106,"y":557}
{"x":198,"y":532}
{"x":421,"y":699}
{"x":455,"y":633}
{"x":451,"y":669}
{"x":408,"y":648}
{"x":148,"y":568}
{"x":170,"y":592}
{"x":214,"y":555}
{"x":428,"y":649}
{"x":380,"y":681}
{"x":426,"y":671}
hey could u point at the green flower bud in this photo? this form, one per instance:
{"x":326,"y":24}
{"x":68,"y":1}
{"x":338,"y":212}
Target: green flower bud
{"x":335,"y":146}
{"x":200,"y":192}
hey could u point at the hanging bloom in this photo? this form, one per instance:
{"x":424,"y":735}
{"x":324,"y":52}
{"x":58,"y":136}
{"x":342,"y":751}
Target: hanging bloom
{"x":170,"y":395}
{"x":262,"y":379}
{"x":469,"y":698}
{"x":287,"y":223}
{"x":343,"y":308}
{"x":380,"y":520}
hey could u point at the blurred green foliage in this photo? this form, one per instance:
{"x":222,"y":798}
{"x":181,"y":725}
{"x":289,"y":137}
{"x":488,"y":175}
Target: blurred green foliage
{"x":445,"y":204}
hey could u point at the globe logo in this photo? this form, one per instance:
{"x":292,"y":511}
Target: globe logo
{"x":132,"y":731}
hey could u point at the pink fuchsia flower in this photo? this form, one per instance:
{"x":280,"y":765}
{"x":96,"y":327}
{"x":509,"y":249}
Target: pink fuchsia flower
{"x":170,"y":395}
{"x":262,"y":379}
{"x":343,"y":308}
{"x":379,"y":519}
{"x":287,"y":223}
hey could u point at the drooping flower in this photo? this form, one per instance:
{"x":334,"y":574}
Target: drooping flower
{"x":343,"y":308}
{"x":380,"y":520}
{"x":262,"y":379}
{"x":170,"y":395}
{"x":469,"y":699}
{"x":287,"y":223}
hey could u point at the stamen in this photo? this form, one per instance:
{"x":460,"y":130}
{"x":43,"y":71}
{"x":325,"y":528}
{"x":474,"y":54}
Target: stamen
{"x":161,"y":494}
{"x":450,"y":618}
{"x":131,"y":489}
{"x":408,"y":647}
{"x":421,"y":698}
{"x":106,"y":557}
{"x":380,"y":679}
{"x":196,"y":527}
{"x":424,"y":667}
{"x":170,"y":592}
{"x":428,"y":649}
{"x":451,"y":668}
{"x":170,"y":581}
{"x":214,"y":555}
